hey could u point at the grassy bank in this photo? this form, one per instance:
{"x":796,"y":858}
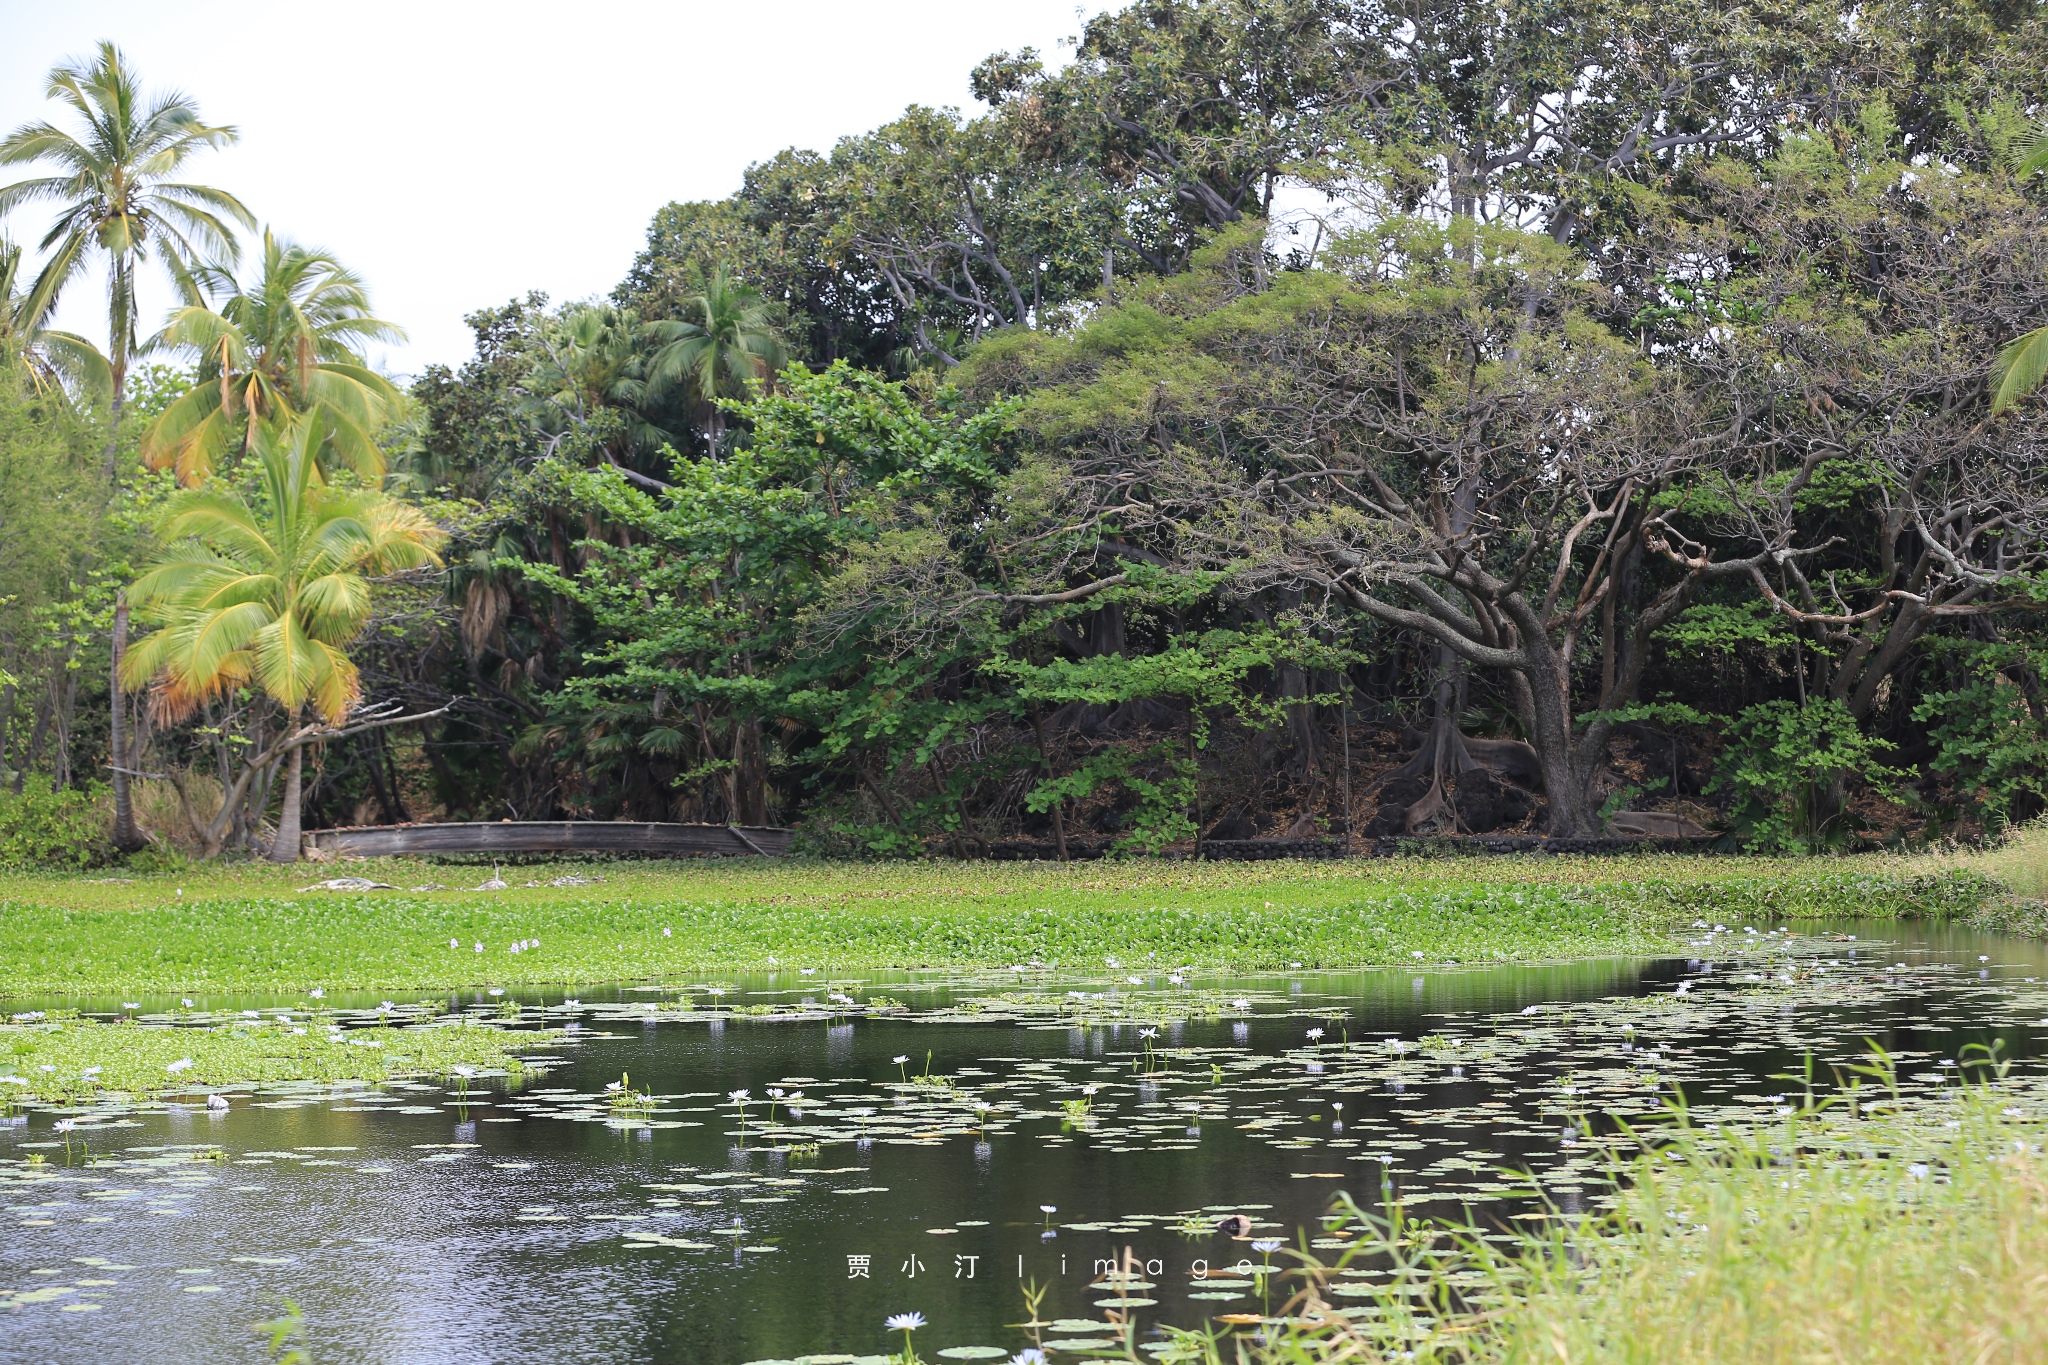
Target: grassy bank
{"x":251,"y":927}
{"x":1909,"y":1235}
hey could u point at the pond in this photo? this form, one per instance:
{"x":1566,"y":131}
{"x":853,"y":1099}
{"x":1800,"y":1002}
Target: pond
{"x":1084,"y":1132}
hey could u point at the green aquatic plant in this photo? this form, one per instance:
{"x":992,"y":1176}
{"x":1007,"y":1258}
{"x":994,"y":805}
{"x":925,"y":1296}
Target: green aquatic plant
{"x":140,"y":1059}
{"x":1081,"y":1108}
{"x":287,"y":1333}
{"x":249,"y":927}
{"x":624,"y":1099}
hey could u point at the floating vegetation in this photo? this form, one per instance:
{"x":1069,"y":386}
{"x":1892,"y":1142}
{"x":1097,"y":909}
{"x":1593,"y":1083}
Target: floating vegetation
{"x":66,"y":1058}
{"x":248,"y":927}
{"x":1056,"y":1127}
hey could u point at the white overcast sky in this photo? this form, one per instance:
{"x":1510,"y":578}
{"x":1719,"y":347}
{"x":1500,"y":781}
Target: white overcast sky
{"x":458,"y":154}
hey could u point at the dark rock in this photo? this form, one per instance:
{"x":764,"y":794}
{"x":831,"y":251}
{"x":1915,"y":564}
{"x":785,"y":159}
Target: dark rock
{"x":1239,"y":826}
{"x":1486,"y":803}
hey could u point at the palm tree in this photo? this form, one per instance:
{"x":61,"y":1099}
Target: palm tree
{"x":289,"y":344}
{"x":2023,"y":361}
{"x":726,"y":341}
{"x":61,"y":362}
{"x":115,"y":196}
{"x":591,"y":382}
{"x":271,"y":593}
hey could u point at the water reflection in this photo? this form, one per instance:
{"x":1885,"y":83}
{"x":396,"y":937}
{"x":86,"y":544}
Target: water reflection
{"x":405,"y":1220}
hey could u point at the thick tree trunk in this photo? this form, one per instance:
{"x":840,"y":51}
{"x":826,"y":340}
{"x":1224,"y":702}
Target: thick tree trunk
{"x":127,"y":837}
{"x":286,"y":847}
{"x":750,"y":774}
{"x":1565,"y":779}
{"x":1301,"y":723}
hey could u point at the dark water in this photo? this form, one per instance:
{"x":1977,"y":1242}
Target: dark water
{"x":422,"y":1223}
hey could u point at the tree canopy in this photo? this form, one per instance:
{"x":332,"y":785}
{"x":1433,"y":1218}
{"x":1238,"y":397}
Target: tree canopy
{"x":1280,"y":418}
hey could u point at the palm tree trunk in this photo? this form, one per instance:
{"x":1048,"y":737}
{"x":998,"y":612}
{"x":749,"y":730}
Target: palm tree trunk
{"x":108,"y":458}
{"x":286,"y":849}
{"x":127,"y":837}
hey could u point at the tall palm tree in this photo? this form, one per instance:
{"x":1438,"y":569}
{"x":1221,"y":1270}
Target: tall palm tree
{"x":726,"y":340}
{"x":272,"y":592}
{"x":116,"y":196}
{"x":290,"y":343}
{"x":57,"y":361}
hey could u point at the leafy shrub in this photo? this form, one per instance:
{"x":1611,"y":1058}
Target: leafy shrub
{"x":41,"y":828}
{"x":1988,"y":740}
{"x":1784,"y":768}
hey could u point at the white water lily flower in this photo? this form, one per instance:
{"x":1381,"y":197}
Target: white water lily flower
{"x":899,"y":1061}
{"x":182,"y":1064}
{"x":736,"y":1096}
{"x":317,"y":993}
{"x":903,"y":1322}
{"x":1267,"y":1246}
{"x":454,"y":943}
{"x":1314,"y":1034}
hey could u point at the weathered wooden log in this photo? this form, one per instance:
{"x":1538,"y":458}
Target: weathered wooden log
{"x":552,"y":836}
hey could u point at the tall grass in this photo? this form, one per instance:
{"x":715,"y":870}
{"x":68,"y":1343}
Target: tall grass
{"x":2019,"y":865}
{"x":1899,"y":1233}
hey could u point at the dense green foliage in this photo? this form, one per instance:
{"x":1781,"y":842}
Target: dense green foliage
{"x":1286,"y":418}
{"x":41,"y":828}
